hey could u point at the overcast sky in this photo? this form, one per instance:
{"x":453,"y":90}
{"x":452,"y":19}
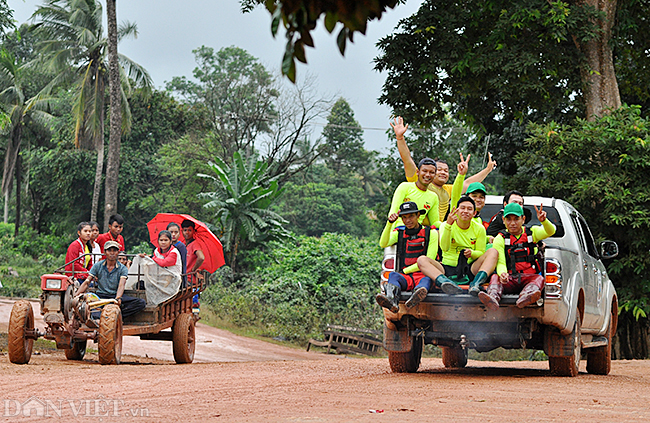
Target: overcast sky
{"x":170,"y":29}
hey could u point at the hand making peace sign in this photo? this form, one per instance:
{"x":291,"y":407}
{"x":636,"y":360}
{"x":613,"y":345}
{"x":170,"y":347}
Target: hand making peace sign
{"x":541,"y":214}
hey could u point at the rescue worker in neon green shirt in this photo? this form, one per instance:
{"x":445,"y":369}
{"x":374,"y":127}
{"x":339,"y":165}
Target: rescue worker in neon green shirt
{"x":463,"y":242}
{"x":418,"y":193}
{"x":518,"y":269}
{"x":413,"y":240}
{"x":439,"y":184}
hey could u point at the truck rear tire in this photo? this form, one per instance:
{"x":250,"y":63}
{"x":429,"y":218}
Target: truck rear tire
{"x":568,"y":366}
{"x":599,"y":359}
{"x":183,"y":338}
{"x":454,"y":357}
{"x":407,"y":362}
{"x":110,"y":335}
{"x":77,"y":351}
{"x":20,"y":321}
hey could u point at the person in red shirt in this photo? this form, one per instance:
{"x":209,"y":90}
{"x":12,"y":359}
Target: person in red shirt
{"x":115,"y":227}
{"x":81,"y":251}
{"x":195,"y":258}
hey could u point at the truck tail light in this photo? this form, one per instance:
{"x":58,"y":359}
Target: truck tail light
{"x":388,"y":263}
{"x":553,"y":279}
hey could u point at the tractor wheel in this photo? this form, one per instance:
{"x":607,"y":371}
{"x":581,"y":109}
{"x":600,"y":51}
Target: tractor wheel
{"x":183,"y":338}
{"x":77,"y":351}
{"x":568,"y":366}
{"x":407,"y":362}
{"x":454,"y":357}
{"x":20,"y":321}
{"x":599,"y":359}
{"x":110,"y":335}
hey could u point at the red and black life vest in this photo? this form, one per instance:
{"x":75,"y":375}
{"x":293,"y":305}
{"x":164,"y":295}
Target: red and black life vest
{"x":410,"y":247}
{"x":522,"y":255}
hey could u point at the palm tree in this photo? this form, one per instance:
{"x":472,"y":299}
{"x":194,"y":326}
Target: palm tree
{"x":18,"y":109}
{"x":75,"y":48}
{"x":244,"y":192}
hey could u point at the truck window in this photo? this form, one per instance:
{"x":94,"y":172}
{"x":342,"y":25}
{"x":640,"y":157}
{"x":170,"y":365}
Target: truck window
{"x":489,"y":210}
{"x":578,"y":229}
{"x":589,"y":239}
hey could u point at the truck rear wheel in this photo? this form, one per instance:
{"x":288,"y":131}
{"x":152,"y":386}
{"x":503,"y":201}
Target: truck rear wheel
{"x":183,"y":338}
{"x":110,"y":335}
{"x":20,"y":321}
{"x":599,"y":359}
{"x":407,"y":362}
{"x":454,"y":357}
{"x":77,"y":351}
{"x":568,"y":366}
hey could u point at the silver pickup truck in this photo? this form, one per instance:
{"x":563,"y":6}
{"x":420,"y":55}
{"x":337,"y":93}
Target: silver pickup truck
{"x":577,"y":312}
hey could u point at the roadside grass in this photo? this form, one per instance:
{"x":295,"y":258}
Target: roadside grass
{"x":40,"y":345}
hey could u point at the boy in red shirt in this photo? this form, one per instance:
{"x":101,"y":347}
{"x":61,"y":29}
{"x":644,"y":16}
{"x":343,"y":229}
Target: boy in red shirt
{"x":115,"y":227}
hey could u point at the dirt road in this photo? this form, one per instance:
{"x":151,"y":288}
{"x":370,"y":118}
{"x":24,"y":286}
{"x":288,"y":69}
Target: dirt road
{"x":341,"y":390}
{"x":255,"y":381}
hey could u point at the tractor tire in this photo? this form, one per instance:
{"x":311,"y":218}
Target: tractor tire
{"x":454,"y":357}
{"x":183,"y":338}
{"x":20,"y":321}
{"x":110,"y":335}
{"x":599,"y":359}
{"x":407,"y":362}
{"x":77,"y":351}
{"x":568,"y":366}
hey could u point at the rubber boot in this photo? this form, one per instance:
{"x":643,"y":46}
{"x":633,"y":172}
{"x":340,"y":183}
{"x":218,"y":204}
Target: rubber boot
{"x":448,"y":286}
{"x":390,"y":299}
{"x":418,"y":295}
{"x":474,"y":286}
{"x":529,"y":295}
{"x":492,"y":297}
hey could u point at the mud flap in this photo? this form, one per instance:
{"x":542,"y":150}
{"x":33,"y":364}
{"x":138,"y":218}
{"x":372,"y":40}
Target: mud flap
{"x":556,"y":344}
{"x":397,"y":340}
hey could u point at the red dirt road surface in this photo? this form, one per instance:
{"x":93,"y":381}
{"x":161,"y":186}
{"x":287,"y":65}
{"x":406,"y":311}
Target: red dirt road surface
{"x":295,"y":386}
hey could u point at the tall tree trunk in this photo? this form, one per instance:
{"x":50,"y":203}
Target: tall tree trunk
{"x":115,"y":141}
{"x":18,"y":184}
{"x":11,"y":156}
{"x":99,"y":169}
{"x":598,"y":77}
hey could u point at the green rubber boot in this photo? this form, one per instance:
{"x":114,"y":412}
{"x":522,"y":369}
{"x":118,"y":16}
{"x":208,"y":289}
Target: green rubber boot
{"x":448,"y":286}
{"x":474,"y":286}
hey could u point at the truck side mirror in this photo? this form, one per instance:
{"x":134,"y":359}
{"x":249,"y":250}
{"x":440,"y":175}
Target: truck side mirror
{"x":608,"y":249}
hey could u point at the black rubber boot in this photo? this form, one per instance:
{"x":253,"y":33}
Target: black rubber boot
{"x":390,"y":299}
{"x":474,"y":286}
{"x":418,"y":295}
{"x":448,"y":286}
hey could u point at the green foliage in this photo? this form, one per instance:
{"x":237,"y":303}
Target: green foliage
{"x":237,"y":94}
{"x":299,"y":18}
{"x":491,"y":62}
{"x":30,"y":256}
{"x":243,"y":195}
{"x":318,"y":207}
{"x":342,"y":148}
{"x":298,"y":287}
{"x":600,"y":168}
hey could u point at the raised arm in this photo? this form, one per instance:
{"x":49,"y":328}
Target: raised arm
{"x":409,"y":165}
{"x":480,"y":176}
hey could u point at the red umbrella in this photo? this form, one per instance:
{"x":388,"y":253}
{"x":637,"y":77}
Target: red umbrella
{"x":209,"y":243}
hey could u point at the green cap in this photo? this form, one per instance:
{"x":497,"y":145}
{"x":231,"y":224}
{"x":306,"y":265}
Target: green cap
{"x":513,"y":208}
{"x":476,"y":187}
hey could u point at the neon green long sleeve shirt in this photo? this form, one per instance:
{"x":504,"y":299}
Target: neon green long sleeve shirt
{"x":453,"y":240}
{"x":427,"y":200}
